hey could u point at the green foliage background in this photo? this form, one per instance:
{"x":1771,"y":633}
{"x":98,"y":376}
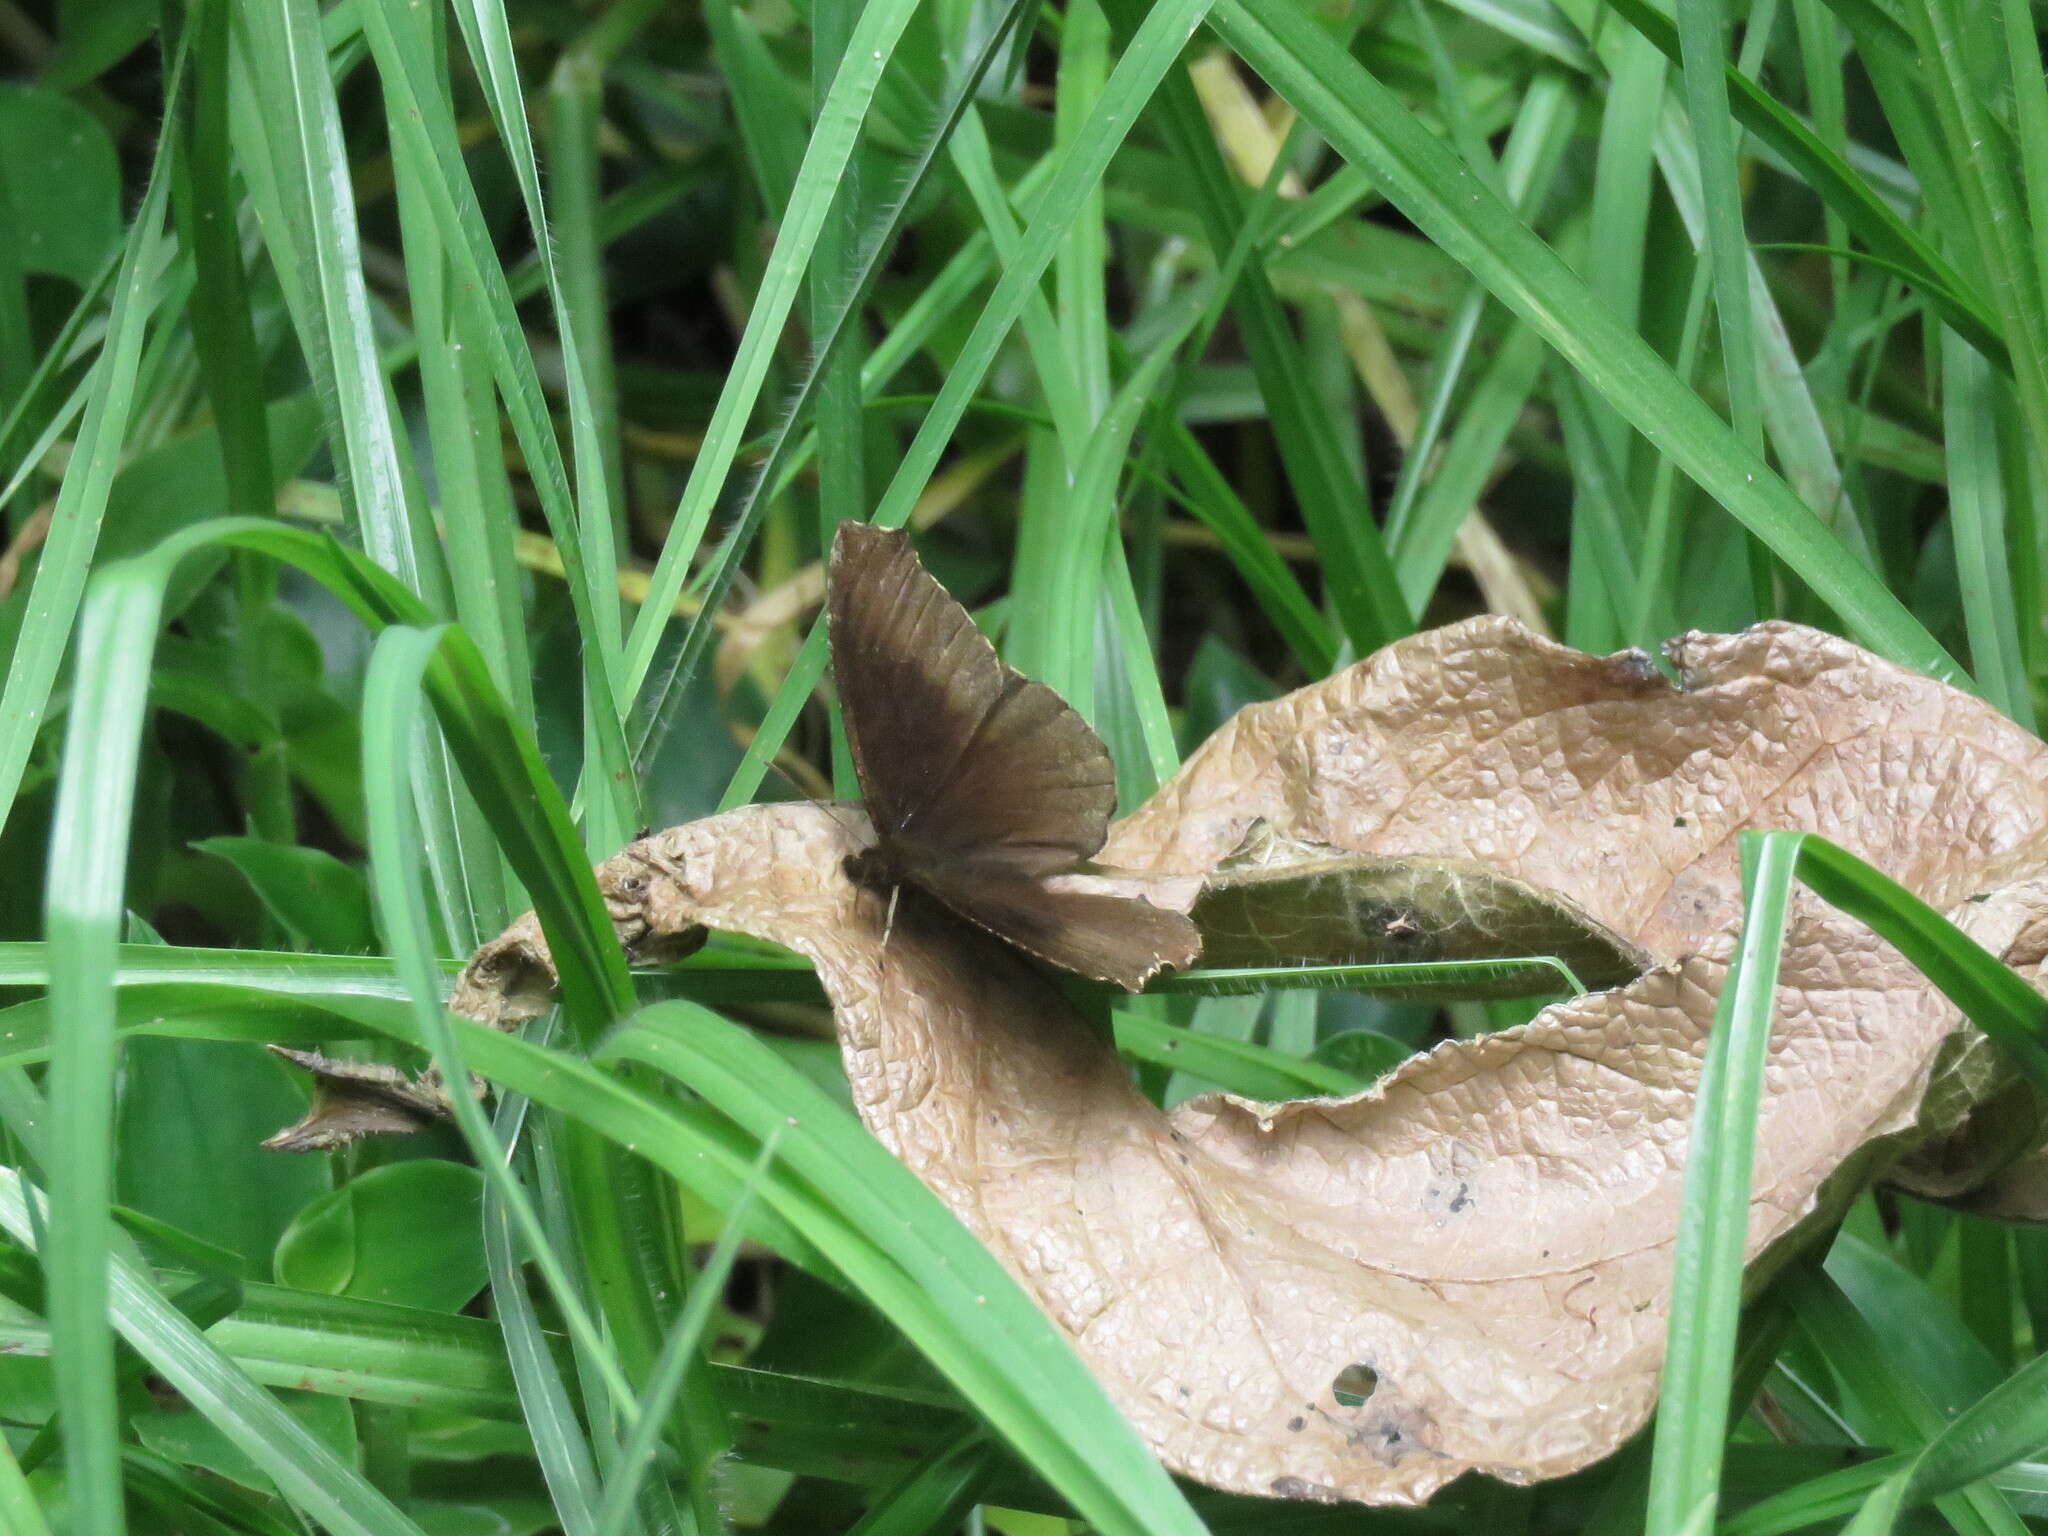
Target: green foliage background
{"x":419,"y":425}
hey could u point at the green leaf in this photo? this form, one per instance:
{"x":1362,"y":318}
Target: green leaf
{"x":95,"y":35}
{"x":304,"y":1469}
{"x":1256,"y":1071}
{"x":64,"y":195}
{"x":408,"y":1233}
{"x":320,"y":901}
{"x":185,"y":1436}
{"x":205,"y":1172}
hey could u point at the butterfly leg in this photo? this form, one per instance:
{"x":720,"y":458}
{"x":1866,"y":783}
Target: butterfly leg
{"x":889,"y":921}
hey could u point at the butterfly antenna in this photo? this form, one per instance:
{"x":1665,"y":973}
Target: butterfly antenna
{"x":889,"y":922}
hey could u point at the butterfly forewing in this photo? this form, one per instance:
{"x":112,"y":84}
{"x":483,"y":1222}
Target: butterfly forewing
{"x":961,"y":758}
{"x":978,"y":781}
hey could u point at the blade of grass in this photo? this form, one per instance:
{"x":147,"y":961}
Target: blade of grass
{"x":1977,"y":509}
{"x":473,"y":492}
{"x":936,"y":1494}
{"x":1527,"y":167}
{"x":991,"y":1339}
{"x":683,"y":1345}
{"x":592,"y":413}
{"x":60,"y":576}
{"x":1713,"y":1223}
{"x":1210,"y":496}
{"x":83,"y":914}
{"x":574,"y":118}
{"x":304,"y":191}
{"x":1368,"y":125}
{"x":563,"y":1450}
{"x":1357,"y":574}
{"x":305,"y":1470}
{"x":19,"y":1511}
{"x":660,"y":701}
{"x":838,"y":417}
{"x":424,"y":135}
{"x":1994,"y":996}
{"x":1842,"y":189}
{"x":1980,"y":167}
{"x":391,"y":721}
{"x":1703,"y":68}
{"x":223,"y":333}
{"x":1130,"y":84}
{"x":1255,"y":1071}
{"x":868,"y":52}
{"x":1790,"y":417}
{"x":1895,"y":1404}
{"x":288,"y":60}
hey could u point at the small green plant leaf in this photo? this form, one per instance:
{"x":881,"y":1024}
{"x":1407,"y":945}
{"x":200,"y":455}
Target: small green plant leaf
{"x":408,"y":1233}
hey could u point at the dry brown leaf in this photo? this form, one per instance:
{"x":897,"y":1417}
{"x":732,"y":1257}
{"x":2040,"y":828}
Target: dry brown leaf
{"x":1480,"y":1246}
{"x":354,"y":1099}
{"x":1593,"y":777}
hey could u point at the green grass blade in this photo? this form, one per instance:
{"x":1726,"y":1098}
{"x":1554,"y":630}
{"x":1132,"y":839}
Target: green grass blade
{"x":1980,"y":167}
{"x":60,"y":577}
{"x":1256,"y":1071}
{"x":1880,"y":1512}
{"x":1994,"y":996}
{"x":1363,"y":593}
{"x":1703,"y":67}
{"x":2008,"y":1424}
{"x":1843,"y":190}
{"x":1367,"y":124}
{"x":223,"y":332}
{"x":935,"y":1495}
{"x":83,"y":916}
{"x":305,"y":1470}
{"x":825,"y":159}
{"x":391,"y":722}
{"x":893,"y":1238}
{"x":683,"y":1344}
{"x":289,"y":63}
{"x":1713,"y":1227}
{"x":838,"y":417}
{"x":424,"y":135}
{"x":1977,"y":519}
{"x":561,"y":1447}
{"x":475,"y":495}
{"x":19,"y":1511}
{"x":1212,"y":499}
{"x":1528,"y":167}
{"x":785,"y":447}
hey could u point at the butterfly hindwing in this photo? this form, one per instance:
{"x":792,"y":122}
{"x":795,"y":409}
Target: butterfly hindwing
{"x":961,"y":758}
{"x":1119,"y":939}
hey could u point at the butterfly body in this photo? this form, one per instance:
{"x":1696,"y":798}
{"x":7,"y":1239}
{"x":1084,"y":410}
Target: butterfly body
{"x":979,"y":782}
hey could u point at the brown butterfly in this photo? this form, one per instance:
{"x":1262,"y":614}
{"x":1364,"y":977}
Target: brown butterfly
{"x":980,"y":783}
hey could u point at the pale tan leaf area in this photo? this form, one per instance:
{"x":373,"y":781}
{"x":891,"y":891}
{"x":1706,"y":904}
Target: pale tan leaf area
{"x":1466,"y":1267}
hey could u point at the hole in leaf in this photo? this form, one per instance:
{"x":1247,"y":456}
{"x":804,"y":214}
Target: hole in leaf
{"x":1354,"y":1384}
